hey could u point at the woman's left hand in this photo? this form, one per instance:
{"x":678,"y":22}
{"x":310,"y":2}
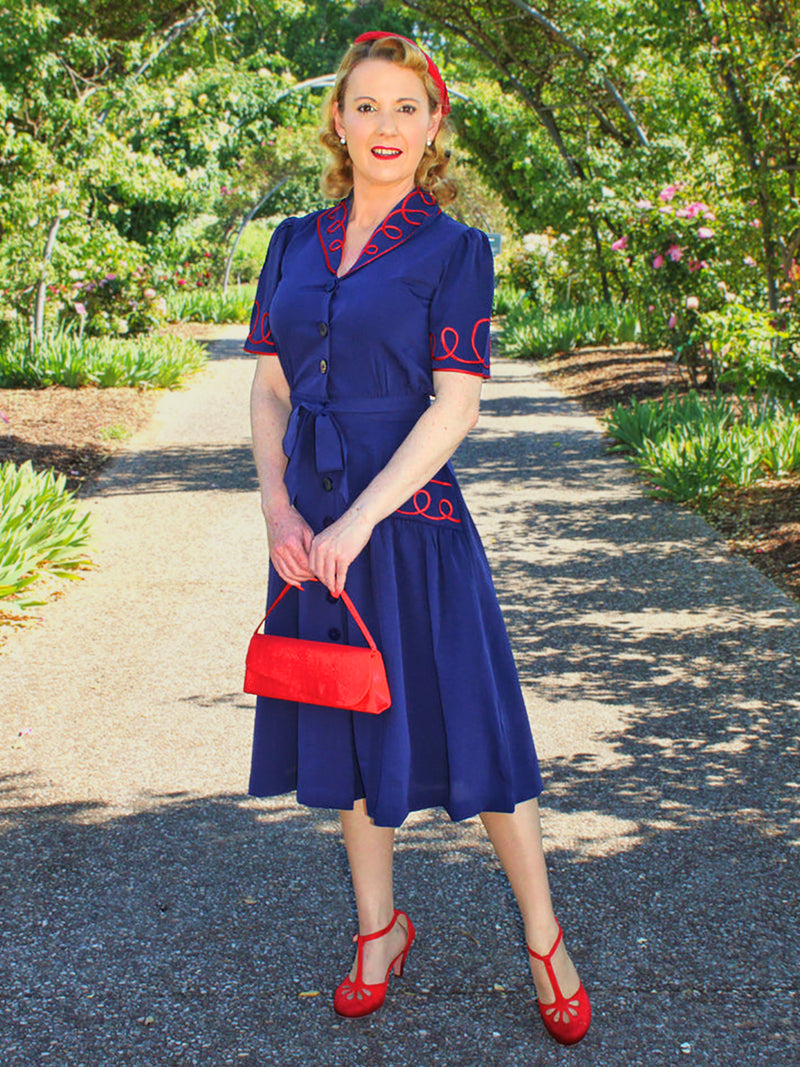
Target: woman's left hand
{"x":335,"y":548}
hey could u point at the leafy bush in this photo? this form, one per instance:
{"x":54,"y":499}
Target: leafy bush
{"x":508,"y":297}
{"x":534,"y":333}
{"x":751,"y":355}
{"x":39,"y":528}
{"x":66,"y":359}
{"x":691,"y":448}
{"x":209,"y":305}
{"x":653,"y":420}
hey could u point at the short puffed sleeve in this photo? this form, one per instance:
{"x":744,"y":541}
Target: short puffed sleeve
{"x":260,"y":340}
{"x":461,"y":309}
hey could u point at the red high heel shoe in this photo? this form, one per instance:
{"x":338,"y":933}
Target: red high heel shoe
{"x":355,"y":998}
{"x":566,"y":1019}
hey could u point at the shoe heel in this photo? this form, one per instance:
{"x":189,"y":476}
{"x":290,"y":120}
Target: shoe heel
{"x":400,"y":963}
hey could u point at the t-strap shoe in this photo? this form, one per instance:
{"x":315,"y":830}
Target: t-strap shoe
{"x":566,"y":1019}
{"x":354,"y":997}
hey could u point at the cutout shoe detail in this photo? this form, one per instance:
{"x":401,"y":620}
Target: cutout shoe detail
{"x":354,"y":997}
{"x":567,"y":1018}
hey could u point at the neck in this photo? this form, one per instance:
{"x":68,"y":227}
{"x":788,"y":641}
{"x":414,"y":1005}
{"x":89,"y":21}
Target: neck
{"x":372,"y":203}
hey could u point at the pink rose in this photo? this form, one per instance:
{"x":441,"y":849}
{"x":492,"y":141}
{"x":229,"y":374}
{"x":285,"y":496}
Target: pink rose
{"x":704,"y":231}
{"x":620,"y":244}
{"x":672,"y":322}
{"x":674,"y":253}
{"x":658,"y":262}
{"x":667,"y":193}
{"x":80,"y":309}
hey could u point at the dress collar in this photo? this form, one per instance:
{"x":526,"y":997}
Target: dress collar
{"x":405,"y":218}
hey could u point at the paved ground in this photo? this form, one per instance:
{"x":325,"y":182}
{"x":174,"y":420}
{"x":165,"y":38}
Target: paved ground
{"x":154,"y":915}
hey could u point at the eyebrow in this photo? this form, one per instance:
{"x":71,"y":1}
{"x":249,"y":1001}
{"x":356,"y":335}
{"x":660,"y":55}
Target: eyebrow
{"x":399,"y":100}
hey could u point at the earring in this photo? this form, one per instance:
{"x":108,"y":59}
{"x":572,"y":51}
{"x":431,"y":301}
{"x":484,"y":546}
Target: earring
{"x":343,"y":140}
{"x":429,"y":144}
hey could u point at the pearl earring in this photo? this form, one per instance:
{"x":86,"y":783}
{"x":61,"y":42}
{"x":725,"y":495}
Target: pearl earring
{"x":429,"y":144}
{"x":343,"y":140}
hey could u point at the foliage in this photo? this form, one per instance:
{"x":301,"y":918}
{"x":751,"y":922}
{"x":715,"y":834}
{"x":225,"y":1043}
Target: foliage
{"x":64,"y":358}
{"x":40,"y":529}
{"x":751,"y":355}
{"x":691,"y":447}
{"x":530,"y":332}
{"x":676,"y":259}
{"x":211,"y":305}
{"x":574,"y":118}
{"x":114,"y":139}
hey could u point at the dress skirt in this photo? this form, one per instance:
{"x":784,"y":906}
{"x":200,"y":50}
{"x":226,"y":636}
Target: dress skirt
{"x":456,"y":734}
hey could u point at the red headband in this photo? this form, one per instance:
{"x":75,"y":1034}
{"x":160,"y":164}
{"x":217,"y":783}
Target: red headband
{"x":433,"y":70}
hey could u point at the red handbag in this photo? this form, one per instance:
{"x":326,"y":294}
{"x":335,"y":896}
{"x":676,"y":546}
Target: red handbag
{"x":316,"y":672}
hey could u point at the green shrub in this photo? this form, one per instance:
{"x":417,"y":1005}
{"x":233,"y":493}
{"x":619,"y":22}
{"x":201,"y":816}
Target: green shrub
{"x":210,"y":305}
{"x":39,"y":528}
{"x":692,"y":447}
{"x":530,"y":332}
{"x":751,"y":355}
{"x":66,"y":359}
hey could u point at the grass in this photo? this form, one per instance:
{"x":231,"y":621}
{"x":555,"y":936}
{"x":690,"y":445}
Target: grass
{"x":155,"y":361}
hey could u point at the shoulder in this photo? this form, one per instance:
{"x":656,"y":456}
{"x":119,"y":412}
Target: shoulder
{"x":456,"y":238}
{"x":463,"y":248}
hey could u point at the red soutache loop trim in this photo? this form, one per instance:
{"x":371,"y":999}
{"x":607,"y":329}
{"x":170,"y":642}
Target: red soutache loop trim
{"x":332,"y":228}
{"x":445,"y":506}
{"x":260,"y":324}
{"x":450,"y":350}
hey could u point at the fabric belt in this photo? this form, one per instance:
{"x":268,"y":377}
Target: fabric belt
{"x":330,"y":448}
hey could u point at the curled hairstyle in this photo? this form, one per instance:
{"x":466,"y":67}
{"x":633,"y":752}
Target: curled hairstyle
{"x":337,"y":178}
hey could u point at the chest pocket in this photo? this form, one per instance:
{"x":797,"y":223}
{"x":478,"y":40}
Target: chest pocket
{"x":437,"y":503}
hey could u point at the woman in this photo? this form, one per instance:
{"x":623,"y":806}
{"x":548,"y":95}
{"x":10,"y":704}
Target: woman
{"x":370,"y":307}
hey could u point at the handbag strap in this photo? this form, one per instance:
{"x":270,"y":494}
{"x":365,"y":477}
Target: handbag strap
{"x":348,"y":603}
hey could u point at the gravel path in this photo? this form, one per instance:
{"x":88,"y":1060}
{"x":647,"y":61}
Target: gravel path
{"x":152,"y":914}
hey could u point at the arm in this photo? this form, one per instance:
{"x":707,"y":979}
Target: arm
{"x":431,"y":442}
{"x":288,"y":534}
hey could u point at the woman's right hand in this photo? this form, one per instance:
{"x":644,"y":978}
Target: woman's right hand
{"x":289,"y":537}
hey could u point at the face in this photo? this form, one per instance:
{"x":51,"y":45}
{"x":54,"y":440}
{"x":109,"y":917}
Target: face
{"x":386,"y":120}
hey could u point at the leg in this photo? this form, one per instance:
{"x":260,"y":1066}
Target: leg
{"x":517,"y":840}
{"x":370,"y":852}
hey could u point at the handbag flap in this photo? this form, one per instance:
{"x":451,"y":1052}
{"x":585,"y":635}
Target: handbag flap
{"x":313,"y":672}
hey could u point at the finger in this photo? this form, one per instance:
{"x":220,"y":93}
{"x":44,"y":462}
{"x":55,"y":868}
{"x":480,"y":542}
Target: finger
{"x":341,"y":578}
{"x":287,"y":570}
{"x":299,"y":560}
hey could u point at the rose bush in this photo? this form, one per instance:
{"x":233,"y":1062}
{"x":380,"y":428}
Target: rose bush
{"x":680,"y":256}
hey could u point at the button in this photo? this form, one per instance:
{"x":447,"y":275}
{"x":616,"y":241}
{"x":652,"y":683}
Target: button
{"x":327,"y":483}
{"x":331,"y":598}
{"x":334,"y":634}
{"x":327,"y":520}
{"x":323,"y":329}
{"x":323,"y":366}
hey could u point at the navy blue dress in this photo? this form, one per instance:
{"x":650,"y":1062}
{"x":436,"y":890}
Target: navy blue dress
{"x":359,"y":353}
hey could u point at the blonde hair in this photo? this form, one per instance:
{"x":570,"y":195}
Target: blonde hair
{"x":337,"y":178}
